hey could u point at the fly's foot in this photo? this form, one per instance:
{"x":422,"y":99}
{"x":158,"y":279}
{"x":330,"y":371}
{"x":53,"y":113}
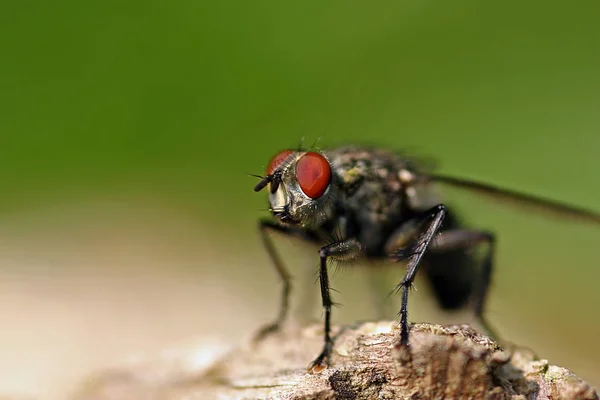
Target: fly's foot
{"x":265,"y":331}
{"x":402,"y":348}
{"x":319,"y":364}
{"x":403,"y":352}
{"x":488,"y":330}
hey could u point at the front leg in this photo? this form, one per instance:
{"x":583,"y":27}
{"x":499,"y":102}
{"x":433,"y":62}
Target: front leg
{"x":265,"y":226}
{"x":343,"y":250}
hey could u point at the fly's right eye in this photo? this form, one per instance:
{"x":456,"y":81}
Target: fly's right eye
{"x":314,"y":174}
{"x":277,"y":161}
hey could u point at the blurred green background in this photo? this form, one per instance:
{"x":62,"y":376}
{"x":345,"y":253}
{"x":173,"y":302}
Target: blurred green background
{"x":124,"y":121}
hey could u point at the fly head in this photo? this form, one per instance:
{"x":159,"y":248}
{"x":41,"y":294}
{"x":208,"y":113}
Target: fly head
{"x":300,"y":186}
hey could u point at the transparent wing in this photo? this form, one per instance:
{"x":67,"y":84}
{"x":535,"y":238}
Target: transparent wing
{"x":520,"y":200}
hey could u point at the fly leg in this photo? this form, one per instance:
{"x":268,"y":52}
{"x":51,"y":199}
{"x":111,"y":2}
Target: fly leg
{"x":264,"y":227}
{"x":426,"y":226}
{"x":344,"y":250}
{"x":468,"y":239}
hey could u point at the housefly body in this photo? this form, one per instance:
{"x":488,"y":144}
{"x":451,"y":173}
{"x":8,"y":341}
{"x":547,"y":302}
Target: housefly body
{"x":361,"y":202}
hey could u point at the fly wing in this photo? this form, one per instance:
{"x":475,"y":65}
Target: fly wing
{"x":518,"y":199}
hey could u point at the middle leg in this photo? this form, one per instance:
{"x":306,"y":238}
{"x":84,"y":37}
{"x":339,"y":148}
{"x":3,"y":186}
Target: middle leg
{"x":425,"y":226}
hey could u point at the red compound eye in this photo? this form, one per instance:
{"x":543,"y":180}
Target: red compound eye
{"x":277,"y":161}
{"x":314,"y":174}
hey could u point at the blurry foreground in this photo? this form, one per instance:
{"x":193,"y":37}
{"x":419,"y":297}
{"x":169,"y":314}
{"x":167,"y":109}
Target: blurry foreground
{"x":95,"y":285}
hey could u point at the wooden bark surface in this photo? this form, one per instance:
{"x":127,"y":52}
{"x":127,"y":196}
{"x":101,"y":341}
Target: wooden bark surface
{"x":445,"y":362}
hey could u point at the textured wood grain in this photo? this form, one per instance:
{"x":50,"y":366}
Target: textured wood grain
{"x":453,"y":362}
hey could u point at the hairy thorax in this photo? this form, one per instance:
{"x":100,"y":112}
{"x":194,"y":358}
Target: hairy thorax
{"x":374,"y":192}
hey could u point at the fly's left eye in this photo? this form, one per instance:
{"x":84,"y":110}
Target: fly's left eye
{"x":314,"y":174}
{"x":278,"y":160}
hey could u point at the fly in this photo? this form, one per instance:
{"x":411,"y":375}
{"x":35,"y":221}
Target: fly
{"x":361,"y":202}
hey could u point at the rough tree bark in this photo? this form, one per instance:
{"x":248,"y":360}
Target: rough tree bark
{"x":452,"y":362}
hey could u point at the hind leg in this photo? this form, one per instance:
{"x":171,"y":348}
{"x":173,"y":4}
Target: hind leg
{"x":465,"y":240}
